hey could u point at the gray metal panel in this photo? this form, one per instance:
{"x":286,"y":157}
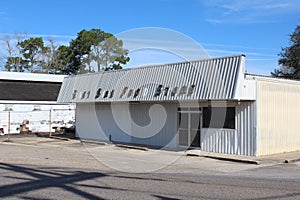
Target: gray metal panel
{"x":214,"y":79}
{"x":163,"y":138}
{"x":98,"y":121}
{"x":239,"y":141}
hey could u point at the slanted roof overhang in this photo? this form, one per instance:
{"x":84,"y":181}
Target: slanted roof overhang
{"x":212,"y":79}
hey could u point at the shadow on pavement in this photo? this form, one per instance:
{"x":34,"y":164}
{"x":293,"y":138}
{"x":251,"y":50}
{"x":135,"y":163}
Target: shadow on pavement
{"x":43,"y":179}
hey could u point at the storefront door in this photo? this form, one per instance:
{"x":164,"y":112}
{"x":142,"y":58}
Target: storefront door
{"x":189,"y":126}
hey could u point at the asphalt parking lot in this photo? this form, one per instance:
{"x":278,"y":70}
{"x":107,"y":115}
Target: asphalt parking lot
{"x":73,"y":153}
{"x":30,"y":149}
{"x":45,"y":168}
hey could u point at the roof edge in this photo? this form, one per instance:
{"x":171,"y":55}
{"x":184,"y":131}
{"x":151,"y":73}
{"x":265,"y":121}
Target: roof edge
{"x":272,"y":79}
{"x":159,"y":65}
{"x":21,"y":76}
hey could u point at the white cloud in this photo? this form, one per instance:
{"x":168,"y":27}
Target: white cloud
{"x":58,"y":37}
{"x":248,"y":11}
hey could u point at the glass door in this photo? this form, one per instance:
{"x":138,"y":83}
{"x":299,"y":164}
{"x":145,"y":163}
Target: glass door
{"x":183,"y":129}
{"x":195,"y":119}
{"x":189,"y":126}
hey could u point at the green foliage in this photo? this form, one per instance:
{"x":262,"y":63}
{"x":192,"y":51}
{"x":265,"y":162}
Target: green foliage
{"x":96,"y":46}
{"x":30,"y":50}
{"x":16,"y":64}
{"x":63,"y":55}
{"x":290,"y":58}
{"x":109,"y":54}
{"x":90,"y":48}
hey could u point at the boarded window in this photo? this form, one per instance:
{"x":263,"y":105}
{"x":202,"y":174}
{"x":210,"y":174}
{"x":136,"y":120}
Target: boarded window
{"x":219,"y":117}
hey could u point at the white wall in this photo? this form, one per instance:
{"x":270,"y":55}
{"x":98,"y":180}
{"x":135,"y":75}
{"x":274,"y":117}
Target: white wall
{"x":120,"y":120}
{"x":278,"y":116}
{"x":128,"y":123}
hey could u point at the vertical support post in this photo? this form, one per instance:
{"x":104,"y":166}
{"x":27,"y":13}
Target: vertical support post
{"x":50,"y":122}
{"x":8,"y":127}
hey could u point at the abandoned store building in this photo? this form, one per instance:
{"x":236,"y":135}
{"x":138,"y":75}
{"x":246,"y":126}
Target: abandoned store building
{"x":208,"y":104}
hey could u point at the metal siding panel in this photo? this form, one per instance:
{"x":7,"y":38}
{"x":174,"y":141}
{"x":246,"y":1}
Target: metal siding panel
{"x":201,"y":83}
{"x":208,"y":80}
{"x":226,"y":77}
{"x":278,"y":115}
{"x":231,"y":78}
{"x":214,"y":79}
{"x":222,"y":75}
{"x":237,"y":68}
{"x":238,"y":141}
{"x":167,"y":133}
{"x":218,"y":90}
{"x":96,"y":121}
{"x":194,"y":78}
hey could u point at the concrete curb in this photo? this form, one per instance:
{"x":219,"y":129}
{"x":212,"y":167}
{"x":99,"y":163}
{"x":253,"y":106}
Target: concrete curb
{"x":59,"y":138}
{"x":248,"y":161}
{"x":132,"y":147}
{"x":93,"y":142}
{"x":291,"y":160}
{"x":241,"y":160}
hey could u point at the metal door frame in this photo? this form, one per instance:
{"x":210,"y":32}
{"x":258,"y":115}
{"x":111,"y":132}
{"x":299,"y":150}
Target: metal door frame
{"x":190,"y":111}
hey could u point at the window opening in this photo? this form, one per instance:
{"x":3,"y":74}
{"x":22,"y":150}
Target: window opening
{"x":219,"y":117}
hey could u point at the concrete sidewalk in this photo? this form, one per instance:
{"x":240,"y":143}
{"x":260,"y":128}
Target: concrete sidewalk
{"x":270,"y":159}
{"x":274,"y":158}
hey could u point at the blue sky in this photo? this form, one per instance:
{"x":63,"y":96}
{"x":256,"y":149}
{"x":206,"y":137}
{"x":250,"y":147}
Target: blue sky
{"x":257,"y":28}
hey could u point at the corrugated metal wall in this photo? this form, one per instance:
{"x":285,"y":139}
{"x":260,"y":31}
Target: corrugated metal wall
{"x":278,"y":116}
{"x":129,"y":123}
{"x":208,"y":79}
{"x":241,"y":141}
